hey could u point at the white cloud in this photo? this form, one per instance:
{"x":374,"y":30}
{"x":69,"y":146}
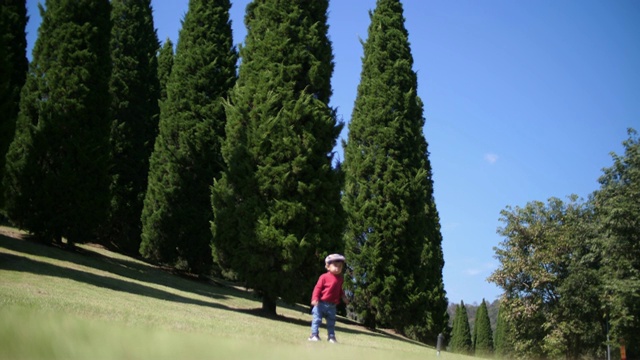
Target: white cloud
{"x":473,"y":272}
{"x":491,"y":158}
{"x":484,"y":269}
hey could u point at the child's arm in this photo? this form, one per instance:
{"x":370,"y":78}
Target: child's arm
{"x":315,"y":297}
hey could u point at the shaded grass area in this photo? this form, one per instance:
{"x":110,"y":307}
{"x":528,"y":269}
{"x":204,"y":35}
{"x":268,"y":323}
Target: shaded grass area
{"x":92,"y":303}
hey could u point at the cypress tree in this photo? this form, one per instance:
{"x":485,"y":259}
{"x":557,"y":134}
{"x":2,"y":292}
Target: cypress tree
{"x":393,"y":234}
{"x":56,"y":182}
{"x":14,"y":64}
{"x":135,"y":91}
{"x":277,"y":206}
{"x":186,"y":157}
{"x":482,"y":335}
{"x":461,"y":337}
{"x":502,"y":342}
{"x":165,"y":64}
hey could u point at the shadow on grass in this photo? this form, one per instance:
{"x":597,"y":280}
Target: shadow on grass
{"x":24,"y":264}
{"x":122,"y":267}
{"x":145,"y":273}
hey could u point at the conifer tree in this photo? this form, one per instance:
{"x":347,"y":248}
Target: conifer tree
{"x":186,"y":157}
{"x":135,"y":91}
{"x":482,"y":335}
{"x":277,"y":207}
{"x":165,"y":64}
{"x":14,"y":64}
{"x":393,"y":234}
{"x":56,"y":182}
{"x":502,"y":342}
{"x":461,"y":336}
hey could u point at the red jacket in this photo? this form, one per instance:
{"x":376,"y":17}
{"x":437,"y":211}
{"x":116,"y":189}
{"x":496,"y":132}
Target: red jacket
{"x":328,"y":289}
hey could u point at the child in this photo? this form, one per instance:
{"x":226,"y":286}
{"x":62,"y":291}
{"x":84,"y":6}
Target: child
{"x":326,"y":295}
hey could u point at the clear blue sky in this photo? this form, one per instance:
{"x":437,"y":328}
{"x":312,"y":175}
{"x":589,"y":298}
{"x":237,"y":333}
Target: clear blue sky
{"x":524,"y":100}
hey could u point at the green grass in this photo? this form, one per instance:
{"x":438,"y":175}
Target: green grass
{"x":96,"y":304}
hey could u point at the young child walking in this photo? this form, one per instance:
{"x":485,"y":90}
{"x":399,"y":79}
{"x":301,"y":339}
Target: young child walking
{"x":326,"y":295}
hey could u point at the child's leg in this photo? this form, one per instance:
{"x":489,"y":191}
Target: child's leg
{"x":331,"y":320}
{"x":317,"y":319}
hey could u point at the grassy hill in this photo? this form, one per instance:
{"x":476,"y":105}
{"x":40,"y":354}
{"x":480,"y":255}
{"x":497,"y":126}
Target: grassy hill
{"x":95,"y":304}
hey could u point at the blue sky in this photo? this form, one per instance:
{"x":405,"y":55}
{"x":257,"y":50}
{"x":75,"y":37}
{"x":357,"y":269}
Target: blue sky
{"x":524,"y":100}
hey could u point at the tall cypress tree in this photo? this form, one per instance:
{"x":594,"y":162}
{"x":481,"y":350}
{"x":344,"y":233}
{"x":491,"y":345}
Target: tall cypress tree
{"x":186,"y":158}
{"x":165,"y":64}
{"x":14,"y":64}
{"x":135,"y":92}
{"x":461,"y":334}
{"x":482,"y":335}
{"x":56,"y":182}
{"x":393,"y":234}
{"x":277,"y":206}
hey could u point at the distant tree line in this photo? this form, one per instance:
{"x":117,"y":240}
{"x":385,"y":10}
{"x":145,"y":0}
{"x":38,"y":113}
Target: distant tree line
{"x":195,"y":163}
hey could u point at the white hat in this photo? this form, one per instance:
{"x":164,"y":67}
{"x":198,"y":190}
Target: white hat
{"x":334,"y":257}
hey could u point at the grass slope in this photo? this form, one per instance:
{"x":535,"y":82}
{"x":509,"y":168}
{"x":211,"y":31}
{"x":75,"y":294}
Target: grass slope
{"x":96,"y":304}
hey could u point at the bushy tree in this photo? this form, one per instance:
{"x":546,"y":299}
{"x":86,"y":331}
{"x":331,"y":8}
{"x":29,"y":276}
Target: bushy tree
{"x":570,"y":270}
{"x":393,"y":239}
{"x":461,"y":333}
{"x":617,"y":204}
{"x":14,"y":64}
{"x":549,"y":275}
{"x":186,"y":157}
{"x":135,"y":91}
{"x":277,"y":208}
{"x":482,"y":334}
{"x":56,"y":182}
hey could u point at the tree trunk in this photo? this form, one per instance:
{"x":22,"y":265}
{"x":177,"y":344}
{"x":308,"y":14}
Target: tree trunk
{"x":268,"y":305}
{"x":369,"y":321}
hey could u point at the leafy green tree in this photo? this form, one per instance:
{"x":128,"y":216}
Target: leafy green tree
{"x":482,"y":334}
{"x":135,"y":91}
{"x":165,"y":64}
{"x":187,"y":156}
{"x":461,"y":334}
{"x":393,"y":234}
{"x":617,"y":204}
{"x":570,"y":270}
{"x":550,"y":279}
{"x":56,"y":182}
{"x":14,"y":64}
{"x":277,"y":206}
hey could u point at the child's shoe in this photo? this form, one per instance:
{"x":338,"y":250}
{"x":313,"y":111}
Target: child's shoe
{"x":314,"y":337}
{"x":332,"y":339}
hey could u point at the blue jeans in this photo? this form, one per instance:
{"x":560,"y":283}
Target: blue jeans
{"x":324,"y":310}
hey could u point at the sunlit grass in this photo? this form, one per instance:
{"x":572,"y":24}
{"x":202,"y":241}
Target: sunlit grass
{"x":95,"y":304}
